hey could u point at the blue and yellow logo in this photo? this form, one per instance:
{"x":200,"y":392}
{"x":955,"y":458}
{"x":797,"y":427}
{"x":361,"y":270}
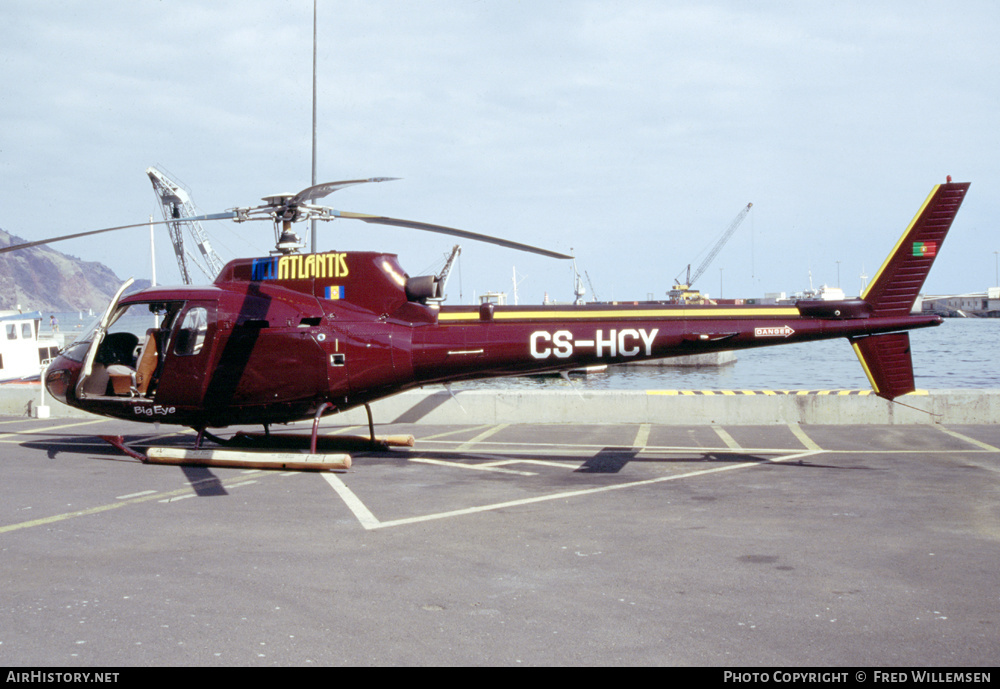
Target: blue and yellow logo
{"x":299,"y":267}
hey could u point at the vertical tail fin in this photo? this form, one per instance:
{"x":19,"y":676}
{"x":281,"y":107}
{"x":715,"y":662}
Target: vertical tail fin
{"x":899,"y":280}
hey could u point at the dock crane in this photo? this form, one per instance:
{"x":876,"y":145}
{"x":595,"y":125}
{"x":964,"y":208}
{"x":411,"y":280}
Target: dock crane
{"x":592,"y":290}
{"x":177,"y":206}
{"x":442,"y":277}
{"x":682,"y":293}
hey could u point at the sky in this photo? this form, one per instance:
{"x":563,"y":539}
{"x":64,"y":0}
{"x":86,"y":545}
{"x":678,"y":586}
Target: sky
{"x":629,"y":134}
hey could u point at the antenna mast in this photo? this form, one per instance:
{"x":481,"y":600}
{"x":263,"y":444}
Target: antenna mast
{"x":313,"y":183}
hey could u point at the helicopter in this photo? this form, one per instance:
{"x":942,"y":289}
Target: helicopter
{"x":295,"y":336}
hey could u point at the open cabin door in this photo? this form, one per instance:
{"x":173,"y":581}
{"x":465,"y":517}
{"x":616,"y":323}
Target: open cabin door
{"x":150,"y":350}
{"x":85,"y":385}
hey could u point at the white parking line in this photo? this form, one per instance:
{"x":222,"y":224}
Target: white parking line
{"x":967,"y":439}
{"x":726,"y":438}
{"x":47,"y":429}
{"x":135,"y":495}
{"x":808,"y":442}
{"x":642,"y":436}
{"x":363,"y":514}
{"x":369,"y":521}
{"x":579,"y":493}
{"x":468,"y":444}
{"x":491,"y":466}
{"x":452,"y":432}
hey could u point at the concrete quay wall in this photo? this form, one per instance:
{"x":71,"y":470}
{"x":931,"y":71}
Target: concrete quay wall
{"x":656,"y":407}
{"x":438,"y":406}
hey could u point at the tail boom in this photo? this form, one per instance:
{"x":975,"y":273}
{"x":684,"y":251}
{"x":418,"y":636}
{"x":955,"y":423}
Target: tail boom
{"x":470,"y":342}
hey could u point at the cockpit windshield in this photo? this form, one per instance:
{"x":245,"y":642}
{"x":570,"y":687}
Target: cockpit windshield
{"x":129,"y":324}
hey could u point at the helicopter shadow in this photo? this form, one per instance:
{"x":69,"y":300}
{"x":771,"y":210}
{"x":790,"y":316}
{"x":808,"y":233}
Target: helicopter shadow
{"x":201,"y":479}
{"x":611,"y":460}
{"x":608,"y":460}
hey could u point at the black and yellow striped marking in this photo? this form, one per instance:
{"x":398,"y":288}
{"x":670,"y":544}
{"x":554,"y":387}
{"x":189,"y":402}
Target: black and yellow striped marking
{"x":766,"y":393}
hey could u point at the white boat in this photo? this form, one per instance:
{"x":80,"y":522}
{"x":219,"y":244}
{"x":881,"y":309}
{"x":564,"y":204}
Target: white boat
{"x":24,"y":354}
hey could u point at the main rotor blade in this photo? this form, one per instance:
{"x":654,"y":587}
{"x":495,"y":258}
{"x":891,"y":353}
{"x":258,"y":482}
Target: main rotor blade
{"x":228,"y":215}
{"x":440,"y":229}
{"x":321,"y":190}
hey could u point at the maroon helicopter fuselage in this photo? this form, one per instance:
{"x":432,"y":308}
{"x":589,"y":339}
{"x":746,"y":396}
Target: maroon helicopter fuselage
{"x":279,"y":337}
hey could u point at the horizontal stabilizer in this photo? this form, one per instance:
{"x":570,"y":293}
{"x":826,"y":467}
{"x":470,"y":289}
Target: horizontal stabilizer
{"x":899,"y":280}
{"x":887,"y":363}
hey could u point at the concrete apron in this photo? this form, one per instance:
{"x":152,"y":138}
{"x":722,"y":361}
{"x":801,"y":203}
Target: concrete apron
{"x":435,"y":405}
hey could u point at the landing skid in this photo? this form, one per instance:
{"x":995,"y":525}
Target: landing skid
{"x":288,"y":461}
{"x":291,"y":461}
{"x":314,"y":441}
{"x":328,"y":442}
{"x":299,"y":461}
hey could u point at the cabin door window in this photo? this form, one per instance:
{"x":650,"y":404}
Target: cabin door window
{"x":183,"y":378}
{"x":191,"y":334}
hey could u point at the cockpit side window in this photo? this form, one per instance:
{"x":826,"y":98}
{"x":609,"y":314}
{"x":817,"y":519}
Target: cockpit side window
{"x":191,"y":335}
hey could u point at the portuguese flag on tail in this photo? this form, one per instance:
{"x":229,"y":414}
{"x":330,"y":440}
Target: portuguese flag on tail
{"x":899,"y":280}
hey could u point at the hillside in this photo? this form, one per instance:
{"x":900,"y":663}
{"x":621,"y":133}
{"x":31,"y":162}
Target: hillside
{"x":43,"y":279}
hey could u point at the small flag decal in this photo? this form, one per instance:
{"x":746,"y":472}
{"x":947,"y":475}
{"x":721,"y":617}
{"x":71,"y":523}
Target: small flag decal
{"x":925,"y":249}
{"x":335,"y":292}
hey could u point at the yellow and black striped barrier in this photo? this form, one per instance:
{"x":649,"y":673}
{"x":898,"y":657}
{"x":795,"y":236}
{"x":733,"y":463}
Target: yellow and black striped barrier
{"x":750,"y":393}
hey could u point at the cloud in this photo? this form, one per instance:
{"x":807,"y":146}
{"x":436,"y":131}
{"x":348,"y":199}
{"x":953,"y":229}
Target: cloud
{"x":632,"y":132}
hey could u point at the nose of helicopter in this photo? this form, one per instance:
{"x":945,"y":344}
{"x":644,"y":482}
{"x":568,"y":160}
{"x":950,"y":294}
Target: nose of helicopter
{"x":61,"y":377}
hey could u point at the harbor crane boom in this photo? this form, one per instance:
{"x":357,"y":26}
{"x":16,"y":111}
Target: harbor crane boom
{"x":683,"y":292}
{"x":592,"y":290}
{"x":442,"y":277}
{"x":178,"y":209}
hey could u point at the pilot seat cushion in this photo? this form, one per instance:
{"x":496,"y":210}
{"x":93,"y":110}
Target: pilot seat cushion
{"x":121,"y":379}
